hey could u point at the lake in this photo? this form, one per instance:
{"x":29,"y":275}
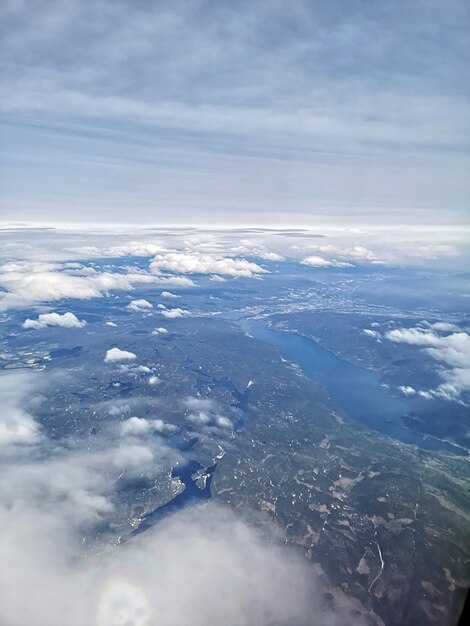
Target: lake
{"x":357,"y":391}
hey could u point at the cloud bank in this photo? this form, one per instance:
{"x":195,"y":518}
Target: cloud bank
{"x":27,"y":283}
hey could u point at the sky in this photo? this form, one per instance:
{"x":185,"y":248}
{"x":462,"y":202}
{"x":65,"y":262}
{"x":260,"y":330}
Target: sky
{"x":269,"y":113}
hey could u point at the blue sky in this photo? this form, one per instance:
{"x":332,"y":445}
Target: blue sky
{"x":267,"y":113}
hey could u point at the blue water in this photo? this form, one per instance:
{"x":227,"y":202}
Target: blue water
{"x":191,"y":494}
{"x":357,"y":391}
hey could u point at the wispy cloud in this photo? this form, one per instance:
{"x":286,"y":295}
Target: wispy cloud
{"x":238,"y":110}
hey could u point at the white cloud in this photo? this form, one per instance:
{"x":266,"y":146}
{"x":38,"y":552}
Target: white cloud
{"x":135,"y":248}
{"x":154,"y":380}
{"x":371,"y":333}
{"x":116,"y":354}
{"x":17,"y":426}
{"x":133,"y":457}
{"x":197,"y":263}
{"x":318,"y":261}
{"x":270,"y":256}
{"x":139,"y":305}
{"x":53,"y":505}
{"x":223,"y":421}
{"x":253,"y":250}
{"x":407,"y":390}
{"x":413,"y":336}
{"x":353,"y":253}
{"x":110,"y":324}
{"x":30,"y":282}
{"x":27,"y":283}
{"x":444,"y":327}
{"x":160,"y":331}
{"x":173,"y":313}
{"x":207,"y":404}
{"x":168,"y":294}
{"x":140,"y":426}
{"x":206,"y":411}
{"x":67,"y":320}
{"x":227,"y":573}
{"x":199,"y":418}
{"x":451,"y":350}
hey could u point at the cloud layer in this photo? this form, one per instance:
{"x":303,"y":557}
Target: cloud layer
{"x":287,"y":111}
{"x":203,"y":566}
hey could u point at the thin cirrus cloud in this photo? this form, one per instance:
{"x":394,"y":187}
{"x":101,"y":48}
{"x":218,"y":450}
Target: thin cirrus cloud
{"x":353,"y":110}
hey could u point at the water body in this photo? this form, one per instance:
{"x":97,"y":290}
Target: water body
{"x":357,"y":391}
{"x":191,"y":494}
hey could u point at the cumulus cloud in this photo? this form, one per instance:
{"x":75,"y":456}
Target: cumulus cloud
{"x":270,"y":256}
{"x":407,"y":390}
{"x":67,"y":320}
{"x":253,"y":250}
{"x":444,"y":327}
{"x":160,"y":331}
{"x":452,"y":351}
{"x":168,"y":294}
{"x":318,"y":261}
{"x":139,"y":305}
{"x":116,"y":355}
{"x":173,"y":313}
{"x":135,"y":248}
{"x":197,"y":263}
{"x":140,"y":426}
{"x":354,"y":253}
{"x":26,"y":283}
{"x":206,"y":412}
